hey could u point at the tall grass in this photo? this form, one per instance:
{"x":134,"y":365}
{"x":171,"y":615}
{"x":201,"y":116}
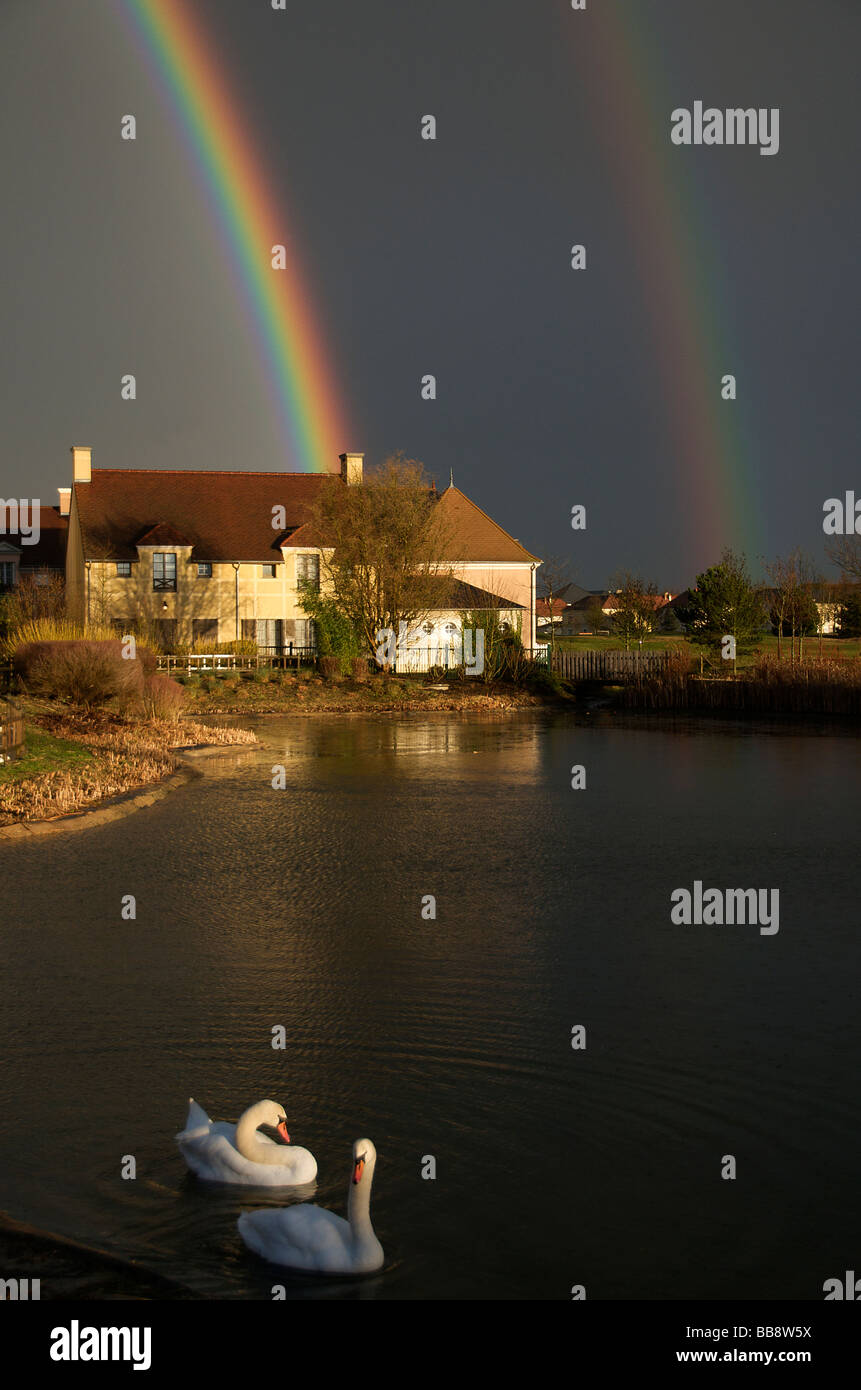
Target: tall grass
{"x":816,"y":686}
{"x":50,"y":629}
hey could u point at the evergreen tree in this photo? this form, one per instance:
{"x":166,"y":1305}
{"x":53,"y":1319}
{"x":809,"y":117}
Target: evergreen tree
{"x":725,"y":604}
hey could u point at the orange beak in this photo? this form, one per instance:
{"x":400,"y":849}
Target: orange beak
{"x":282,"y":1130}
{"x":358,"y":1170}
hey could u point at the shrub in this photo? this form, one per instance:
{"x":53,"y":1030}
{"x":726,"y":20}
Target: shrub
{"x":242,"y":646}
{"x":330,"y":667}
{"x":162,"y":698}
{"x":83,"y":672}
{"x":359,"y":668}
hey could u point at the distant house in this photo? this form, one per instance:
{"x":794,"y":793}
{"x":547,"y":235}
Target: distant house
{"x":42,"y":556}
{"x":195,"y":554}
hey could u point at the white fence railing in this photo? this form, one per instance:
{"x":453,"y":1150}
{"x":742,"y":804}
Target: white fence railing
{"x":289,"y":655}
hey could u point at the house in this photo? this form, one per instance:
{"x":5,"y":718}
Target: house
{"x":549,"y":612}
{"x":207,"y":557}
{"x":39,"y":555}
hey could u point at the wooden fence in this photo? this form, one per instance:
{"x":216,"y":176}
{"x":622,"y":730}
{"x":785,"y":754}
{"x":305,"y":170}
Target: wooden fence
{"x":11,"y":732}
{"x":616,"y":667}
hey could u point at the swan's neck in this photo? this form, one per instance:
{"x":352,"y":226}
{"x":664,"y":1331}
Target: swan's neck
{"x":359,"y":1206}
{"x":247,"y":1139}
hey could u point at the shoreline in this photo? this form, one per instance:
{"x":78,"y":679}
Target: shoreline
{"x":606,"y":711}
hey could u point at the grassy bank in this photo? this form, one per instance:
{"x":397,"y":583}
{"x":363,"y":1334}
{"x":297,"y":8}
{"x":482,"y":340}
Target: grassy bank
{"x":75,"y":759}
{"x":305,"y":692}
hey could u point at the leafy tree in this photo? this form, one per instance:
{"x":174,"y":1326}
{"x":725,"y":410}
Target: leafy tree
{"x":849,"y":621}
{"x":336,"y":635}
{"x":668,"y":621}
{"x":725,"y":603}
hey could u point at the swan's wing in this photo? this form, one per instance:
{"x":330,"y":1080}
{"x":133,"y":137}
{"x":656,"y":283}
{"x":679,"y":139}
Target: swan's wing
{"x":196,"y":1119}
{"x":304,"y":1236}
{"x":212,"y":1154}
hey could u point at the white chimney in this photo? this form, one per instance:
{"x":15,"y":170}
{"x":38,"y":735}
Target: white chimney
{"x":65,"y":500}
{"x":81,"y":464}
{"x":351,"y":467}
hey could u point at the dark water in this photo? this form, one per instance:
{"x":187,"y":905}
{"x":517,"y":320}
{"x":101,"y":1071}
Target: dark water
{"x":451,"y":1037}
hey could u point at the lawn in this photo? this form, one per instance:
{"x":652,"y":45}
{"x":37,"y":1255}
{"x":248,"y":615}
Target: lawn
{"x":44,"y":752}
{"x":832,"y":647}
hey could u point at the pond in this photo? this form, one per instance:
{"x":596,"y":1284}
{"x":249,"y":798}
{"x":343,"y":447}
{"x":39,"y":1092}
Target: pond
{"x":434,"y":916}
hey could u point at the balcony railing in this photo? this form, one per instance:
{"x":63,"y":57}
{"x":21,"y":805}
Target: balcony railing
{"x":164,"y":585}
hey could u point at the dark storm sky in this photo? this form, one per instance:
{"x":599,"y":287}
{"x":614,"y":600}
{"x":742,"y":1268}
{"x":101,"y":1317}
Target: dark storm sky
{"x":449,"y":257}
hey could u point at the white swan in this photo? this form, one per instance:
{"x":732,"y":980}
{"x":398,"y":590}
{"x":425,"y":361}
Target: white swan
{"x":256,"y":1151}
{"x":309,"y":1237}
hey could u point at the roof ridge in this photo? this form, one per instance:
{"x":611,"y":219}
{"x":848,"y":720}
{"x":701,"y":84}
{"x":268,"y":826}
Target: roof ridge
{"x":220,"y":472}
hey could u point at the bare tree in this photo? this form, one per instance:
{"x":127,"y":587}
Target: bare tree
{"x":845,"y":553}
{"x":554,"y":576}
{"x":636,"y":607}
{"x":38,"y":595}
{"x":793,"y":602}
{"x":385,"y":547}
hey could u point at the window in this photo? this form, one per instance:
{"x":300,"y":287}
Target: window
{"x":124,"y":569}
{"x":166,"y":633}
{"x":270,"y":635}
{"x":427,"y":628}
{"x":7,"y":574}
{"x":306,"y":634}
{"x":308,"y":572}
{"x":204,"y":630}
{"x":121,"y":626}
{"x":204,"y":569}
{"x":164,"y":571}
{"x":269,"y":571}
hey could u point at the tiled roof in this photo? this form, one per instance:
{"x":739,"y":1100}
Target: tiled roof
{"x":50,"y":551}
{"x":225,"y":516}
{"x":476,"y":537}
{"x":163,"y":534}
{"x":228,"y":516}
{"x":445,"y":592}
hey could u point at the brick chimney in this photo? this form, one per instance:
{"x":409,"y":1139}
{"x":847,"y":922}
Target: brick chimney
{"x":65,"y":500}
{"x":351,"y":467}
{"x":81,"y":463}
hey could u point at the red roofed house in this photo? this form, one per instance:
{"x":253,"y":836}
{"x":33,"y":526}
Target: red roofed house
{"x":213,"y":556}
{"x":37,"y":546}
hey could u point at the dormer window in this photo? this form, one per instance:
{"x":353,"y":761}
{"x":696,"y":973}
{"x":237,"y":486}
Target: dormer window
{"x":164,"y":572}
